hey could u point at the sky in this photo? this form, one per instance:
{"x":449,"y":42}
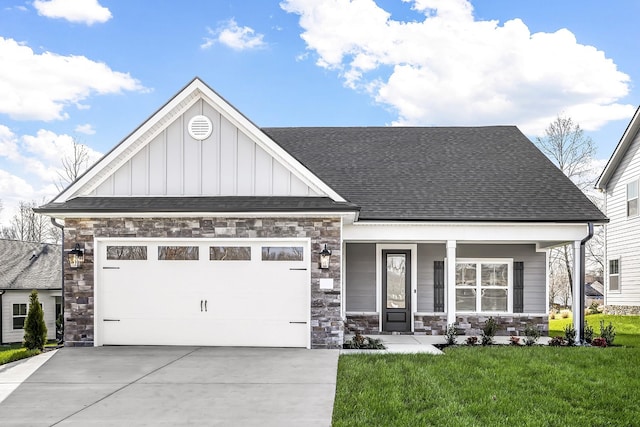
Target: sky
{"x":94,"y":70}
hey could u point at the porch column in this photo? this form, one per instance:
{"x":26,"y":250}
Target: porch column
{"x":451,"y":281}
{"x":577,"y":289}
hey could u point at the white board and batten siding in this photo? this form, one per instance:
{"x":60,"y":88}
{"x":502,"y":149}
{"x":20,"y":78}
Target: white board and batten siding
{"x":623,"y":233}
{"x":227,"y":163}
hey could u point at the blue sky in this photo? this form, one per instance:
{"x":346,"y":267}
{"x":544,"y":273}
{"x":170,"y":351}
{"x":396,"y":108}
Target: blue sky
{"x":96,"y":69}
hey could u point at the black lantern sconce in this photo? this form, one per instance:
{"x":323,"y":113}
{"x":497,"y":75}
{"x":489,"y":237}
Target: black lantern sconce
{"x":325,"y":258}
{"x":75,"y":256}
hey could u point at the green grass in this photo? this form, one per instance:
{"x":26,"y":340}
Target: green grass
{"x":15,"y":352}
{"x":496,"y":386}
{"x":627,"y":327}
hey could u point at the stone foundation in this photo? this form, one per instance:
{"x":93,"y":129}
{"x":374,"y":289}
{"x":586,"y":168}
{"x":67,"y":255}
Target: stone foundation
{"x":625,"y":310}
{"x":513,"y":324}
{"x":326,"y":322}
{"x":432,"y":324}
{"x":363,"y":323}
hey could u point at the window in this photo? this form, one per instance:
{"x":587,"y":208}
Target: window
{"x":282,"y":253}
{"x":230,"y":253}
{"x":178,"y":253}
{"x":483,"y":285}
{"x":632,"y":198}
{"x":614,"y":274}
{"x":19,"y":315}
{"x":126,"y":253}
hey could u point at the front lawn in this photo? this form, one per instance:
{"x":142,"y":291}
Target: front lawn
{"x":627,"y":327}
{"x":496,"y":386}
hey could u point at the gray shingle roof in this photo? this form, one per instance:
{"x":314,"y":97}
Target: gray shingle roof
{"x":28,"y":265}
{"x":198,"y":204}
{"x":439,"y":173}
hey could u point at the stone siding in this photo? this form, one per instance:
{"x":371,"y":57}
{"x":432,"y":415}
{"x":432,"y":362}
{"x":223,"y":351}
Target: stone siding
{"x":513,"y":324}
{"x":625,"y":310}
{"x":432,"y":324}
{"x":327,"y":330}
{"x":363,"y":323}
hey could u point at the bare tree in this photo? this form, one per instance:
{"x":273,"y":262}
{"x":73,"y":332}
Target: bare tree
{"x":29,"y":226}
{"x":566,"y":145}
{"x":73,"y":165}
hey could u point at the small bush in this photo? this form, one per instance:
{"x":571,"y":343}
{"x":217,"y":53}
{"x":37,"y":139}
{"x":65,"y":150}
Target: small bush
{"x":556,"y":341}
{"x":513,"y":340}
{"x":607,"y":332}
{"x":599,"y":342}
{"x":489,"y":331}
{"x":361,"y":342}
{"x":532,"y":333}
{"x":472,"y":340}
{"x":570,"y":335}
{"x":35,"y":330}
{"x":565,"y":314}
{"x":450,"y":334}
{"x":588,"y":333}
{"x":595,"y":308}
{"x":552,"y":315}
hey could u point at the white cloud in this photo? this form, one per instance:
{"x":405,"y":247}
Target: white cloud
{"x":86,"y":129}
{"x":80,"y":11}
{"x":234,"y":36}
{"x":450,"y":69}
{"x":40,"y":86}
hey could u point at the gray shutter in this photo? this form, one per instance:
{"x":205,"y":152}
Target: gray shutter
{"x":518,"y":287}
{"x":438,"y":286}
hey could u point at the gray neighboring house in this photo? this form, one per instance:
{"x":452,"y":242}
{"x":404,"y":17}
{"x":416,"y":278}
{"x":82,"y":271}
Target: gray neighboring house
{"x":620,"y":182}
{"x":25,"y":266}
{"x":593,"y":293}
{"x":200,"y":228}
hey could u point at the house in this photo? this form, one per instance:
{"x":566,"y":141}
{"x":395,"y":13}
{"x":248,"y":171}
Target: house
{"x":200,"y":228}
{"x":593,"y":293}
{"x":25,"y":266}
{"x":619,"y":182}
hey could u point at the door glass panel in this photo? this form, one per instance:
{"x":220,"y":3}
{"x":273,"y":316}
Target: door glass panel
{"x":178,"y":253}
{"x":126,"y":253}
{"x":396,"y":281}
{"x":230,"y":253}
{"x":282,"y":253}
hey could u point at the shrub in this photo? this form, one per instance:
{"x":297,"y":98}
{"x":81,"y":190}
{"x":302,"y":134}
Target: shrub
{"x":364,"y":343}
{"x":599,"y":342}
{"x":556,"y":341}
{"x":607,"y":332}
{"x":489,"y":331}
{"x":588,"y":333}
{"x":552,"y":315}
{"x":565,"y":314}
{"x":594,"y":308}
{"x":450,"y":334}
{"x":472,"y":340}
{"x":35,"y":330}
{"x":532,"y":333}
{"x":513,"y":340}
{"x":570,"y":335}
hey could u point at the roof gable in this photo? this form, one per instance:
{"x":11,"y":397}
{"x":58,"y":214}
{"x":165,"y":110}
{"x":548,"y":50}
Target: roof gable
{"x":629,"y":135}
{"x":161,"y":158}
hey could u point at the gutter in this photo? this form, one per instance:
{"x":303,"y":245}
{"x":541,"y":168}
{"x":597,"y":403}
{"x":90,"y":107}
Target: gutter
{"x":61,"y":227}
{"x":582,"y":274}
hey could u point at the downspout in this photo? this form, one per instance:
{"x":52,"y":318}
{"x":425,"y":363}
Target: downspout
{"x":1,"y":326}
{"x":582,"y":274}
{"x":61,"y":227}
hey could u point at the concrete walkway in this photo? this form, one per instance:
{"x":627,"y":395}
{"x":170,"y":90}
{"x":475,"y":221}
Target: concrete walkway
{"x":173,"y":386}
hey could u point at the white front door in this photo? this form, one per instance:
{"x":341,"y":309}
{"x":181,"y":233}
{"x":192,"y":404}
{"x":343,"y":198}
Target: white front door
{"x":203,"y":292}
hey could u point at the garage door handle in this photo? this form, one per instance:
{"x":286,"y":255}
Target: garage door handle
{"x":299,"y":323}
{"x":301,"y":269}
{"x":205,"y":305}
{"x":111,"y":268}
{"x":110,"y":320}
{"x":201,"y":305}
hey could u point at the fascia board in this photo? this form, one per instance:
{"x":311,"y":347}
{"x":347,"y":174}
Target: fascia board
{"x":271,"y":214}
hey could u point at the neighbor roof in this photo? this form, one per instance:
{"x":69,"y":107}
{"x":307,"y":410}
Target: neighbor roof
{"x":439,"y":173}
{"x":28,"y":265}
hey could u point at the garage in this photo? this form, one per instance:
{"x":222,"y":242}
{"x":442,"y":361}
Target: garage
{"x":202,"y":292}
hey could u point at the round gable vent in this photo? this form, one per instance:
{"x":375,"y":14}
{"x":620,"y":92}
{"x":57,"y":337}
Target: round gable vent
{"x":200,"y":127}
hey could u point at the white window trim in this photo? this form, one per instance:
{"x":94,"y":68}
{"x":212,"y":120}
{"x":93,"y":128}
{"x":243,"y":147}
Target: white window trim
{"x":608,"y":280}
{"x":13,"y":316}
{"x":414,"y":278}
{"x":509,"y":262}
{"x":626,"y":198}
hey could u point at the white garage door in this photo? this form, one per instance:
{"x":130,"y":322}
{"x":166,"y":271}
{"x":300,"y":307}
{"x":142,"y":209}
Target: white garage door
{"x":202,"y":292}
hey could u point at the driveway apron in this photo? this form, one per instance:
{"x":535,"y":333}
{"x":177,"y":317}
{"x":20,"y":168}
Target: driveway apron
{"x":173,"y":386}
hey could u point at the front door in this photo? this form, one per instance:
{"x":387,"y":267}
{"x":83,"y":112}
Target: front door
{"x":396,"y":290}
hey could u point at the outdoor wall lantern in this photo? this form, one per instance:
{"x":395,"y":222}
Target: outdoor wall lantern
{"x":325,"y":257}
{"x":75,"y":256}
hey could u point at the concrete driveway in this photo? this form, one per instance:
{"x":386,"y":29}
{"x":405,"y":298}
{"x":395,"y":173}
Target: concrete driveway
{"x":173,"y":386}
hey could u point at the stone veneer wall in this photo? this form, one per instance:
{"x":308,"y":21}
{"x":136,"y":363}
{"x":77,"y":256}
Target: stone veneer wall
{"x":327,"y":330}
{"x":431,"y":324}
{"x":507,"y":324}
{"x":364,"y":323}
{"x":625,"y":310}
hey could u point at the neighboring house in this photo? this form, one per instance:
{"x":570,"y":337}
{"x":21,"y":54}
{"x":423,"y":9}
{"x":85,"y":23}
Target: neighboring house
{"x":25,"y":266}
{"x":593,"y":293}
{"x":201,"y":228}
{"x":620,"y":182}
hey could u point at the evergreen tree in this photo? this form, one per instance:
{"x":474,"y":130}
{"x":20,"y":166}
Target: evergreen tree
{"x":35,"y":330}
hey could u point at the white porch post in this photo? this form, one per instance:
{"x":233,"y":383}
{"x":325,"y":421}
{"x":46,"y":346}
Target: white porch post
{"x":451,"y":282}
{"x":575,"y":301}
